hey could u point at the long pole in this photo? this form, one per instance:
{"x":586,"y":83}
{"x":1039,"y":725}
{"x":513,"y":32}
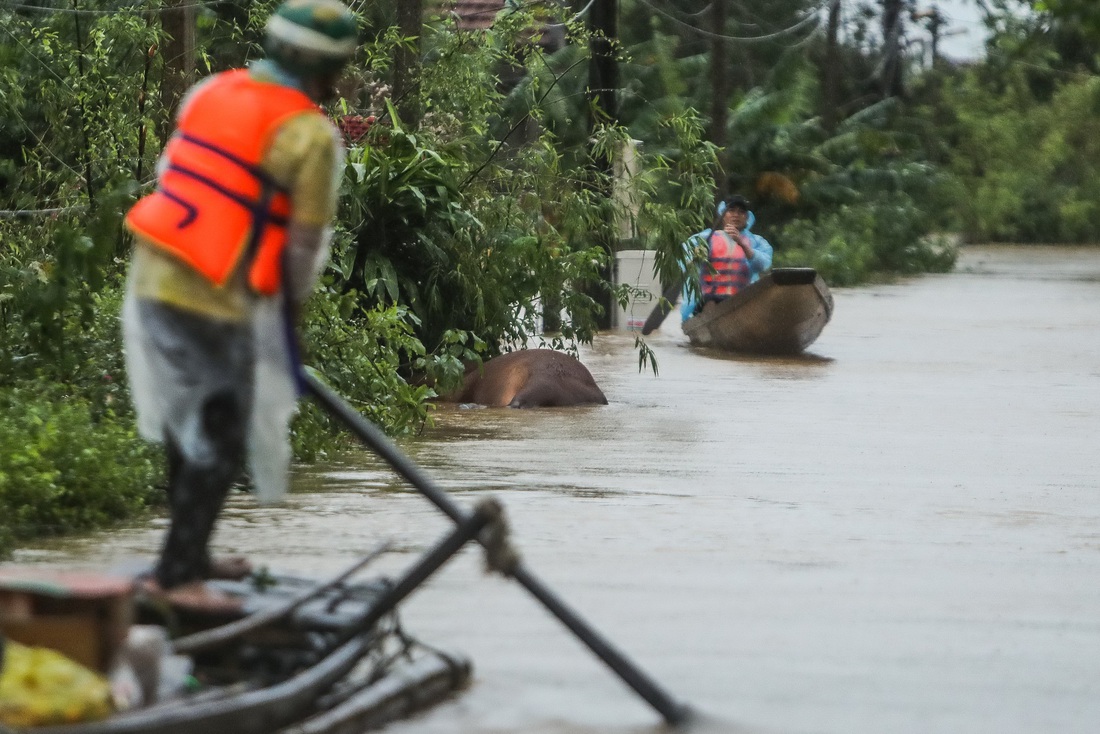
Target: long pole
{"x":892,"y":29}
{"x":603,"y":109}
{"x":674,"y":713}
{"x":177,"y":19}
{"x":719,"y":94}
{"x":406,"y":61}
{"x":832,"y":71}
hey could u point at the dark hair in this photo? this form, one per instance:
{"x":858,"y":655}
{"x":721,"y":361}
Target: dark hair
{"x":733,"y":202}
{"x":737,"y":202}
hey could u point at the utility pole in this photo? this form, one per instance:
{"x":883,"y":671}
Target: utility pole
{"x":603,"y":69}
{"x":177,"y":18}
{"x":719,"y":93}
{"x":935,"y":24}
{"x":603,"y":85}
{"x":831,"y":83}
{"x":935,"y":29}
{"x":891,"y":48}
{"x":406,"y":61}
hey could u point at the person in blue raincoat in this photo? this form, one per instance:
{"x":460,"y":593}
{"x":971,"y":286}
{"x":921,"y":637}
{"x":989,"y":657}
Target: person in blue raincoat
{"x":735,"y":256}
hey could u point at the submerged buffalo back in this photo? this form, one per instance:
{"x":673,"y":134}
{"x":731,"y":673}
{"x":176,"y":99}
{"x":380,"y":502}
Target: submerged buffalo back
{"x":530,"y":378}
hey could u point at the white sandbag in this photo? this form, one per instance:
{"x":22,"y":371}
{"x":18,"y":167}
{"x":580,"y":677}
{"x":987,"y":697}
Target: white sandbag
{"x":275,"y":401}
{"x":149,"y":403}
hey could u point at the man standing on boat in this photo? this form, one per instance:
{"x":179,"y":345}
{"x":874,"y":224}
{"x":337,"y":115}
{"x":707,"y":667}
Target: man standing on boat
{"x":735,"y":256}
{"x":229,"y":244}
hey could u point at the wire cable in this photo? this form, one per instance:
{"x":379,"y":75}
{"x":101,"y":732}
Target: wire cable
{"x":135,"y":10}
{"x":576,"y":16}
{"x":19,"y":213}
{"x":813,"y":18}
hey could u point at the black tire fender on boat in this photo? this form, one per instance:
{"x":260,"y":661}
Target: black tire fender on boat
{"x":793,"y":276}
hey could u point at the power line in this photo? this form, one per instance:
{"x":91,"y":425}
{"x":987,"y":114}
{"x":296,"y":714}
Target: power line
{"x":18,"y":213}
{"x":30,"y":52}
{"x":511,"y":7}
{"x":749,"y":10}
{"x":1041,"y":67}
{"x":812,"y":18}
{"x":576,"y":16}
{"x":125,"y":10}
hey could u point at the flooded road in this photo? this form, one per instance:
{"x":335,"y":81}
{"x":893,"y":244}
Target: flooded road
{"x":898,"y":532}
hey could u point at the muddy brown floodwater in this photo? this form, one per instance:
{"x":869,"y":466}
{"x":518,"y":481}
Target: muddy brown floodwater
{"x":898,"y":532}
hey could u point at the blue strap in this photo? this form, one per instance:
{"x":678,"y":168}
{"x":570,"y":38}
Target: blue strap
{"x":293,"y":346}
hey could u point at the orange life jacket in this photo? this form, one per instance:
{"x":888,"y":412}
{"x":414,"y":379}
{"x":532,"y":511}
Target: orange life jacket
{"x":213,"y":205}
{"x":729,"y":267}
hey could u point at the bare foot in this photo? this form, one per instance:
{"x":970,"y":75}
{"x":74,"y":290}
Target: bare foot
{"x":198,"y":596}
{"x":194,"y":596}
{"x":232,"y":568}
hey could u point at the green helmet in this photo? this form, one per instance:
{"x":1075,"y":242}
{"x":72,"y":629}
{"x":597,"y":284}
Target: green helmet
{"x":311,"y":37}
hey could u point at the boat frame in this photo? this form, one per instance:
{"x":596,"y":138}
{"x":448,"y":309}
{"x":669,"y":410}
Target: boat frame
{"x":782,"y":313}
{"x":333,"y":657}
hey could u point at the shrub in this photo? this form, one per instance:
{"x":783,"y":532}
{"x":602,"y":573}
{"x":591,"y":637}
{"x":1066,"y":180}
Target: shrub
{"x":851,"y":244}
{"x":62,"y":470}
{"x":1027,"y":169}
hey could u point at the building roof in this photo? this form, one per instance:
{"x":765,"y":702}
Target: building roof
{"x":473,"y":15}
{"x":480,"y":15}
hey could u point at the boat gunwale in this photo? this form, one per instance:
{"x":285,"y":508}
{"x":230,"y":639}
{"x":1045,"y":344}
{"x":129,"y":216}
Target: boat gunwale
{"x":696,"y":325}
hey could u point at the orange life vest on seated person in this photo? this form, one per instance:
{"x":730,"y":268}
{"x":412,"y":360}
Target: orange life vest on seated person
{"x":729,"y":268}
{"x":214,"y":205}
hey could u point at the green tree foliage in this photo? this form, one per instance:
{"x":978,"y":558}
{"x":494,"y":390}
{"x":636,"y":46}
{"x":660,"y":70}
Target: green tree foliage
{"x":1026,"y":171}
{"x":63,"y":468}
{"x":59,"y":286}
{"x":363,"y":352}
{"x":458,"y":234}
{"x":757,"y":35}
{"x":490,"y":211}
{"x":1016,"y":131}
{"x":855,"y":202}
{"x":1084,"y":14}
{"x":75,"y":88}
{"x":69,"y":154}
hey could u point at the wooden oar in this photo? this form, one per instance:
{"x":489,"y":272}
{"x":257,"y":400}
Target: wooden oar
{"x":663,"y":308}
{"x":674,"y":713}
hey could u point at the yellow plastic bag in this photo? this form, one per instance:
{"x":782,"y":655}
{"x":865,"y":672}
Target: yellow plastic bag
{"x":39,"y":687}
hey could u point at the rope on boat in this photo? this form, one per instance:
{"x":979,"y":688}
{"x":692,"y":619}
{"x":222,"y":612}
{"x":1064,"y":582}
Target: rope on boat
{"x":411,"y":643}
{"x":500,"y":555}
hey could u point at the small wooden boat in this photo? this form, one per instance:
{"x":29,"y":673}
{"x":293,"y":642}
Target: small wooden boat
{"x":781,"y":313}
{"x":298,"y":657}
